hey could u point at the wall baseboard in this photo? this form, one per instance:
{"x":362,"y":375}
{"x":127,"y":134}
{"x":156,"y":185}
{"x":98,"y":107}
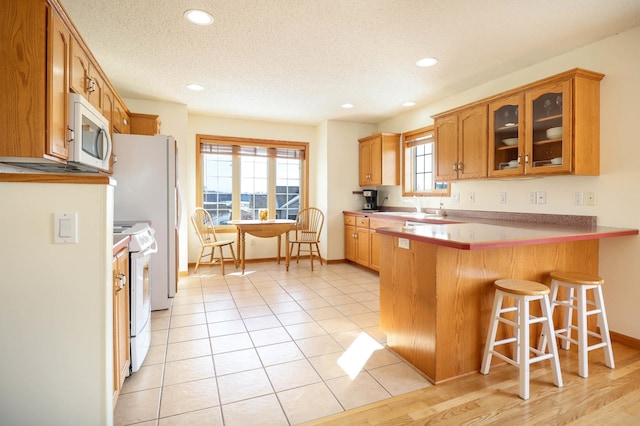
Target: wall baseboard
{"x":632,"y":342}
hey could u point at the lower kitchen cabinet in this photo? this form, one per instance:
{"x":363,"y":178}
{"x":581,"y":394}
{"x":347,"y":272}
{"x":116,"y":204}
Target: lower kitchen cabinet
{"x":356,"y":239}
{"x":121,"y":353}
{"x":361,"y":243}
{"x":374,"y":240}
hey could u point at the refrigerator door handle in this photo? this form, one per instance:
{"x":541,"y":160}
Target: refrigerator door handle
{"x":179,"y":204}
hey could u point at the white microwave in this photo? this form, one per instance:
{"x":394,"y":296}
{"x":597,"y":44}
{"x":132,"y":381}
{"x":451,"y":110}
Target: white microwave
{"x":88,"y":135}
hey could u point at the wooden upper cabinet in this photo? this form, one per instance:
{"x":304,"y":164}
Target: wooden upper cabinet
{"x":85,"y":78}
{"x":58,"y":93}
{"x":472,"y":143}
{"x":144,"y":124}
{"x":33,"y":82}
{"x":548,"y":109}
{"x":121,"y":120}
{"x":549,"y":127}
{"x":446,"y":139}
{"x":45,"y":59}
{"x":506,"y":137}
{"x":461,"y":144}
{"x":379,"y":159}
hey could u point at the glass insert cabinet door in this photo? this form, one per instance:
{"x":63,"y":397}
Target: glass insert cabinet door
{"x":506,"y":138}
{"x":549,"y":138}
{"x":530,"y":132}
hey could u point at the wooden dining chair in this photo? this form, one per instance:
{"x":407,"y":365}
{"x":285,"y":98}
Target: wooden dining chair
{"x":307,"y":231}
{"x":203,"y":223}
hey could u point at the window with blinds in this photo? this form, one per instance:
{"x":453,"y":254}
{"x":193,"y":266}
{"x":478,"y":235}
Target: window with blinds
{"x":418,"y":166}
{"x":237,"y":177}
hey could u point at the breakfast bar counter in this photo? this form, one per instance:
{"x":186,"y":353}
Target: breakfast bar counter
{"x":436,"y":282}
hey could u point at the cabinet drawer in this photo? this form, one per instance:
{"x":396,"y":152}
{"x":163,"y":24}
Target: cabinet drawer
{"x":349,"y":220}
{"x":362,"y":222}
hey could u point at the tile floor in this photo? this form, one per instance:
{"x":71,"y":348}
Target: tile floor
{"x":267,"y":348}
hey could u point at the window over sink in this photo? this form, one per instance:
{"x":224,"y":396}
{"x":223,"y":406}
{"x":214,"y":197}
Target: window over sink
{"x":418,"y":165}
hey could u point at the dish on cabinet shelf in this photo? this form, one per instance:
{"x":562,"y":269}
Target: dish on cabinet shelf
{"x":508,"y":166}
{"x":510,"y":141}
{"x":554,"y":132}
{"x":556,"y":161}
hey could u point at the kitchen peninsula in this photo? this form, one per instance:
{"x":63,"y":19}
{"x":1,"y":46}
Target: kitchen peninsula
{"x":436,"y":281}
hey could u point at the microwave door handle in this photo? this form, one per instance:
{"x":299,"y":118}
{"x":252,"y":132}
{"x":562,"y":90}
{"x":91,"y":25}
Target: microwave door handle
{"x":105,"y":146}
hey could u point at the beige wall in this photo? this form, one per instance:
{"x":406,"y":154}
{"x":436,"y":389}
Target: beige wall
{"x":56,"y":301}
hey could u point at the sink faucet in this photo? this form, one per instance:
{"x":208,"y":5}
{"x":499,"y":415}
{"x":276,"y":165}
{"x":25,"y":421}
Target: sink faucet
{"x":416,"y":200}
{"x":441,"y":211}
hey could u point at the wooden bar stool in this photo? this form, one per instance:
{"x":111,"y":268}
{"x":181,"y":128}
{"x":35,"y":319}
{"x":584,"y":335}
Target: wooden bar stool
{"x":522,"y":292}
{"x":577,"y":284}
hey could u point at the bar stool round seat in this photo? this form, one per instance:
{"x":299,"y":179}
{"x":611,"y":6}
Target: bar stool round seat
{"x":576,"y":285}
{"x":522,"y":292}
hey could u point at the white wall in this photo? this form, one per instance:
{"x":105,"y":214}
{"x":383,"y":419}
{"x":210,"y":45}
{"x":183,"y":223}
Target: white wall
{"x":56,"y":329}
{"x":342,"y":179}
{"x":618,"y":202}
{"x":173,"y":121}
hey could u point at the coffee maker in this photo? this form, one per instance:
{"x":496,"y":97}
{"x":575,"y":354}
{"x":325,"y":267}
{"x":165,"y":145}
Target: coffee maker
{"x":370,"y":199}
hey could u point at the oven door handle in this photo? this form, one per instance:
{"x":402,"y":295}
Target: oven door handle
{"x":152,"y":249}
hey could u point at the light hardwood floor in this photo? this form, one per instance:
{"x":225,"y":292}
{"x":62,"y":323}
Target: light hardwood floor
{"x":607,"y":397}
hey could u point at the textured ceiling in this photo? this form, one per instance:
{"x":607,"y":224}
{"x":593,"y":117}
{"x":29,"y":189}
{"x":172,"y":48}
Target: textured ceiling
{"x":299,"y":60}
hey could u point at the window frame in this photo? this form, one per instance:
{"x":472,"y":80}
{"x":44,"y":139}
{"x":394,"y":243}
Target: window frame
{"x":242,"y":144}
{"x":411,"y":139}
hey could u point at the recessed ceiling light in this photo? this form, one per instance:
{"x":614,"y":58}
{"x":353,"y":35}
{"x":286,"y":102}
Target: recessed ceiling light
{"x":198,"y":17}
{"x":408,"y":104}
{"x":427,"y":62}
{"x":194,"y":86}
{"x":347,"y":106}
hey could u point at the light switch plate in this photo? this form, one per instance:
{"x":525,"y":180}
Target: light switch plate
{"x":65,"y":228}
{"x":403,"y":243}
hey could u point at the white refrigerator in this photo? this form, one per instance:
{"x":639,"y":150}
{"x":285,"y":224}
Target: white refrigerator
{"x":147,"y":190}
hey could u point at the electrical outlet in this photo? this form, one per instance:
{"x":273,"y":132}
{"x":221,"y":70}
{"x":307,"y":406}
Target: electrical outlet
{"x":578,"y":198}
{"x":541,"y":197}
{"x":471,"y":197}
{"x":533,"y":197}
{"x":456,"y":197}
{"x":502,"y":197}
{"x":589,"y":198}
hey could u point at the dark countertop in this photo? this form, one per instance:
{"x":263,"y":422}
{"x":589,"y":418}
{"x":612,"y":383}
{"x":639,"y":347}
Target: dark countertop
{"x":475,"y":236}
{"x":467,"y":231}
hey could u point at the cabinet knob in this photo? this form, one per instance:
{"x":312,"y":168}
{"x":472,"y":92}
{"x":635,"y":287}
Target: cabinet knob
{"x":455,"y":167}
{"x":459,"y":166}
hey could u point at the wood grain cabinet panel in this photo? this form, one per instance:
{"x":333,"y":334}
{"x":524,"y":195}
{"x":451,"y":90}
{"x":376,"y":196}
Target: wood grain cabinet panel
{"x":435,"y":301}
{"x":361,"y":242}
{"x":380,"y":159}
{"x":85,"y":77}
{"x":34,"y":82}
{"x":461,"y":144}
{"x":144,"y":124}
{"x":121,"y":335}
{"x":58,"y":93}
